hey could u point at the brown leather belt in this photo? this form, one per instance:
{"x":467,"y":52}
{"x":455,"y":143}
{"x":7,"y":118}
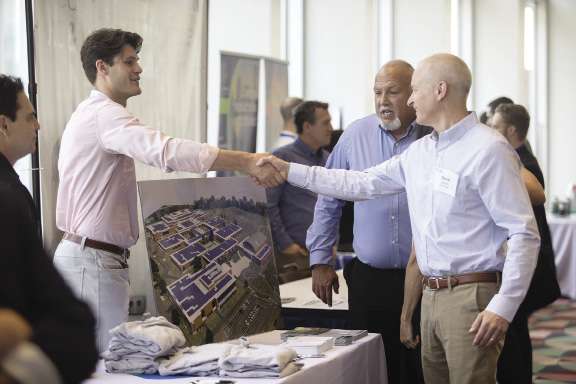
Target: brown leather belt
{"x":435,"y":283}
{"x":97,"y":245}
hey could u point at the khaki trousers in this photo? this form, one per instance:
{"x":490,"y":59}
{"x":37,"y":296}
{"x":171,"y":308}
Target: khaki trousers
{"x":448,"y":355}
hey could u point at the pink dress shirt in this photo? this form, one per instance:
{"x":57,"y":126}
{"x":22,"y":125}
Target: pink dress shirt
{"x":97,"y":191}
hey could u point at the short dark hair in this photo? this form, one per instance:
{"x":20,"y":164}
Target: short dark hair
{"x":305,"y":112}
{"x":104,"y":44}
{"x":10,"y":87}
{"x":498,"y":101}
{"x":516,"y":115}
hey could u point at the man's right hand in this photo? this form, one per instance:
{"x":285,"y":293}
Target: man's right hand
{"x":294,"y":250}
{"x":14,"y":329}
{"x":266,"y":173}
{"x":324,"y":279}
{"x":407,"y":333}
{"x":280,"y":165}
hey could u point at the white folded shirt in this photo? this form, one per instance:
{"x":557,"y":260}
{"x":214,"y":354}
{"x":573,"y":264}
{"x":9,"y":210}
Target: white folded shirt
{"x":257,"y":356}
{"x":199,"y":360}
{"x":132,"y":366}
{"x":289,"y":369}
{"x":153,"y":337}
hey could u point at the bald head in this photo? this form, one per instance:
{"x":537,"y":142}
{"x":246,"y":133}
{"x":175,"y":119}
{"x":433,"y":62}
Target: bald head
{"x":287,"y":107}
{"x":391,"y":92}
{"x":444,"y":67}
{"x":440,"y":87}
{"x":398,"y":69}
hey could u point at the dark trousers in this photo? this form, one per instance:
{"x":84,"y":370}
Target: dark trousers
{"x":515,"y":363}
{"x":375,"y":298}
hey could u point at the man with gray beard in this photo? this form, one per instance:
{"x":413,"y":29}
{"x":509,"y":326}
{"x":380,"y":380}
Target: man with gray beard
{"x":382,"y":234}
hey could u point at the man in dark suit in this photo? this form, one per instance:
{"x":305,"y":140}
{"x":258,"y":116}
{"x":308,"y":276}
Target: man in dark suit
{"x":515,"y":364}
{"x":47,"y":334}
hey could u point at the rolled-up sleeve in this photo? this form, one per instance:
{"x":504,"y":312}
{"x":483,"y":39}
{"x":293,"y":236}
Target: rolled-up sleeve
{"x":120,"y":132}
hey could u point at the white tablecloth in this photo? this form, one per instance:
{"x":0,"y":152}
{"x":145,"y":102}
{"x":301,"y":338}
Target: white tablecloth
{"x":359,"y":363}
{"x":298,"y":294}
{"x":563,"y":232}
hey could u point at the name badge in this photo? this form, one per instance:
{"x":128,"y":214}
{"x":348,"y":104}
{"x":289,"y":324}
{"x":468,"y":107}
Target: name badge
{"x":445,"y":181}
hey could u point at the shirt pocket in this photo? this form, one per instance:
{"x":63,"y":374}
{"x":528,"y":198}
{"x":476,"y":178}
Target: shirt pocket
{"x":448,"y":208}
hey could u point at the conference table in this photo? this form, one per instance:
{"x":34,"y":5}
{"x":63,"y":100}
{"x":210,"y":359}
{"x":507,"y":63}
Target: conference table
{"x":563,"y":233}
{"x":361,"y":362}
{"x":364,"y":361}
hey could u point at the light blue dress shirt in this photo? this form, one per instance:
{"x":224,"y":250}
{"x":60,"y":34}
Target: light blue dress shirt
{"x":382,"y":234}
{"x":466,"y":200}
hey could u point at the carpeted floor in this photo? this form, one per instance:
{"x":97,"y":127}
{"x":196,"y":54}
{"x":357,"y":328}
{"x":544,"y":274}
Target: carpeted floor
{"x":553,"y":334}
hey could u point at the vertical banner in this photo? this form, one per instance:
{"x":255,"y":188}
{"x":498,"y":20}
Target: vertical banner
{"x":239,"y":81}
{"x":276,"y":91}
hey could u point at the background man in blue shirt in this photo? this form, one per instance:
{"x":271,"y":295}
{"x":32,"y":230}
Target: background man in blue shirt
{"x":291,"y":209}
{"x":382,"y":234}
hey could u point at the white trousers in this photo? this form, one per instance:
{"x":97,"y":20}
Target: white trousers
{"x":99,"y":278}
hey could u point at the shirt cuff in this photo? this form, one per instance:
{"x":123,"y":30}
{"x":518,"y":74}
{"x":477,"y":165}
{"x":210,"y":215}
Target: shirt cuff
{"x":29,"y":364}
{"x":503,"y":307}
{"x":297,"y":174}
{"x":321,"y":257}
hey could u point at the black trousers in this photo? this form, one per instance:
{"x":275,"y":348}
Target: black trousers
{"x":375,"y":298}
{"x":515,"y":363}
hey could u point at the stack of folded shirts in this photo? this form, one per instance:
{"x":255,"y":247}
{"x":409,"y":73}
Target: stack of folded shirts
{"x":258,"y":361}
{"x":135,"y":346}
{"x":200,"y":360}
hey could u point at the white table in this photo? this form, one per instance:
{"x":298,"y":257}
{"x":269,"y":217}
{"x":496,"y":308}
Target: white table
{"x":563,"y":232}
{"x":359,"y":363}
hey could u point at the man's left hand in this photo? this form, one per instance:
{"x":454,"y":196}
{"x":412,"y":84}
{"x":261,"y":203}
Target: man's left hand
{"x":489,"y":329}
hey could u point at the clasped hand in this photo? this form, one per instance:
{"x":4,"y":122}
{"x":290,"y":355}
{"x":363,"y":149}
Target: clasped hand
{"x":268,"y":170}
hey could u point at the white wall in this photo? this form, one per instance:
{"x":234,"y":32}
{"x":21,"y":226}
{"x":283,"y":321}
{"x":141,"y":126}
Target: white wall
{"x":341,"y":47}
{"x":498,"y":58}
{"x":249,"y":27}
{"x":562,"y":101}
{"x":422,"y":29}
{"x":340,"y":55}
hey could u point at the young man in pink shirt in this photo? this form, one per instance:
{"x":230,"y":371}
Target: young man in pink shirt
{"x":96,"y":206}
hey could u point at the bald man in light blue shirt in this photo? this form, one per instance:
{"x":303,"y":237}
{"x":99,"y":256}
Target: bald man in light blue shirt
{"x":467,"y":201}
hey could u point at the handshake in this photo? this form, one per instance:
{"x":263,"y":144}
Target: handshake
{"x":267,"y":170}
